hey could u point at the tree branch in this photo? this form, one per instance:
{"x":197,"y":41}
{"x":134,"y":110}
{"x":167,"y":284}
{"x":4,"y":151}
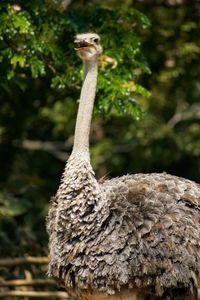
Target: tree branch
{"x":34,"y":294}
{"x":65,"y":4}
{"x":166,"y":3}
{"x":9,"y":262}
{"x":179,"y":116}
{"x":31,"y":282}
{"x":53,"y":147}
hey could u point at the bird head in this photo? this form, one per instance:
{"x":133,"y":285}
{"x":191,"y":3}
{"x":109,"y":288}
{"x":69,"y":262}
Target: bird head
{"x":88,"y":45}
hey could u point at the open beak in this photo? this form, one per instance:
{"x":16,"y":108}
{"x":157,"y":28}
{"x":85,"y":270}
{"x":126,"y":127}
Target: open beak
{"x":81,"y":44}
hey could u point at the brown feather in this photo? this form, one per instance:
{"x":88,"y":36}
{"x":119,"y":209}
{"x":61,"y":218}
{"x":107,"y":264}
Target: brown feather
{"x":141,"y":230}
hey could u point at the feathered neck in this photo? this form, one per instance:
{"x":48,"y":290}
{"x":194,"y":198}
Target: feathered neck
{"x":83,"y":122}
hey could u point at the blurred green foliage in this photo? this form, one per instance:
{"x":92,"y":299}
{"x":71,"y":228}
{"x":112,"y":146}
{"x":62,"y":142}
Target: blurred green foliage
{"x":38,"y":37}
{"x":40,"y":87}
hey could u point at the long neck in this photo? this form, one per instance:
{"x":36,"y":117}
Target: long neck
{"x":83,"y":122}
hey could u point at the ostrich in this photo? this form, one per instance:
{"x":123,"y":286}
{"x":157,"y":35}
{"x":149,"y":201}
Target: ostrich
{"x":134,"y":237}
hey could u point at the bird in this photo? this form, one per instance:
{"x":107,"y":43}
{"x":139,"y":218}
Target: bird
{"x":134,"y":237}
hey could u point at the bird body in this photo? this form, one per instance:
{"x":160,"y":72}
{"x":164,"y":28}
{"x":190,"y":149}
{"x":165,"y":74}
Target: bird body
{"x":134,"y":237}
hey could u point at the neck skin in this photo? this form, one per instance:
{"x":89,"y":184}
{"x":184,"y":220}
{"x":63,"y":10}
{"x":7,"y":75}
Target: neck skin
{"x":83,"y":122}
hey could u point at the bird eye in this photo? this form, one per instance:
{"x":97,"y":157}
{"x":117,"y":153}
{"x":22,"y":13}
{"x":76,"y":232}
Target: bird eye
{"x":96,"y":40}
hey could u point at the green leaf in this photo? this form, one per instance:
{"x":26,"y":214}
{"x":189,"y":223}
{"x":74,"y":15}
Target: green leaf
{"x":10,"y":74}
{"x":18,"y":59}
{"x":20,"y":22}
{"x":142,"y":91}
{"x":37,"y":67}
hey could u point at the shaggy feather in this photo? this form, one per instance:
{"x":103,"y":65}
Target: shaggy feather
{"x":141,"y":231}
